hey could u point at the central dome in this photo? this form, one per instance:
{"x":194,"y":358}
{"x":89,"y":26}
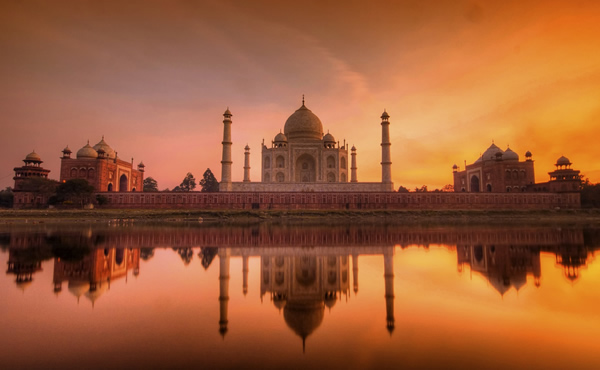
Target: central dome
{"x":303,"y":124}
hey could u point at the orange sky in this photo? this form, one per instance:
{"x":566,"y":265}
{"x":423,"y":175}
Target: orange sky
{"x":154,"y":77}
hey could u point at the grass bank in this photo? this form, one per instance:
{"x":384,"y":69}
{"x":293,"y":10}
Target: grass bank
{"x":583,"y":216}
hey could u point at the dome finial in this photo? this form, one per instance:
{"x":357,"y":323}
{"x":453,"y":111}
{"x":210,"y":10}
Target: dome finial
{"x":302,"y":99}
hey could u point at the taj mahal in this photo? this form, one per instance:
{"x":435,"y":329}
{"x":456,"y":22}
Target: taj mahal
{"x":303,"y":158}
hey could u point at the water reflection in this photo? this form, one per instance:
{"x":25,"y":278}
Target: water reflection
{"x":304,"y":272}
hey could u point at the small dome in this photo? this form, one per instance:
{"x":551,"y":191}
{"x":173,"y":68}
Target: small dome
{"x":328,"y":138}
{"x":528,"y":154}
{"x":110,"y":153}
{"x":33,"y":157}
{"x":227,"y":112}
{"x":353,"y":148}
{"x":385,"y":115}
{"x":141,"y":164}
{"x":330,"y":302}
{"x":455,"y":167}
{"x":563,"y":161}
{"x":280,"y":138}
{"x":66,"y":150}
{"x":303,"y":124}
{"x":87,"y":152}
{"x":490,"y":153}
{"x":510,"y":155}
{"x":246,"y":148}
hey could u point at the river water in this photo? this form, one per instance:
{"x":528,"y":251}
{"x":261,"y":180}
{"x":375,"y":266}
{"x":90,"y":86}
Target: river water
{"x":299,"y":296}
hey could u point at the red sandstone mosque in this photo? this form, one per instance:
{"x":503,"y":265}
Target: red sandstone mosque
{"x":498,"y":171}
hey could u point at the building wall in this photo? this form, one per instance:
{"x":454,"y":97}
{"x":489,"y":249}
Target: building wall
{"x":343,"y":200}
{"x":323,"y":171}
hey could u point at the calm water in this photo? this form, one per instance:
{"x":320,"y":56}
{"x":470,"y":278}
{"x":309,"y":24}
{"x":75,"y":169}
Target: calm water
{"x":97,"y":296}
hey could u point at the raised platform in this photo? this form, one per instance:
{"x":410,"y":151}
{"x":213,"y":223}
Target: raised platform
{"x":343,"y":200}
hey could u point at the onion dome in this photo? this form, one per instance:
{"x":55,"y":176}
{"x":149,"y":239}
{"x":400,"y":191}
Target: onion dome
{"x":110,"y":153}
{"x":330,"y":301}
{"x":78,"y":288}
{"x":87,"y":152}
{"x":280,"y":138}
{"x":328,"y":138}
{"x":490,"y":153}
{"x":23,"y":284}
{"x":303,"y":317}
{"x":528,"y":154}
{"x":303,"y":124}
{"x":510,"y":155}
{"x":563,"y":161}
{"x":33,"y":157}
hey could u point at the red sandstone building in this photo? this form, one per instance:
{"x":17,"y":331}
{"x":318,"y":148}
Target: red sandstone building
{"x":498,"y":171}
{"x":102,"y":168}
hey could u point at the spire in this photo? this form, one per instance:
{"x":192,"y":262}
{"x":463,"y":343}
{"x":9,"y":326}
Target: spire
{"x":302,"y":99}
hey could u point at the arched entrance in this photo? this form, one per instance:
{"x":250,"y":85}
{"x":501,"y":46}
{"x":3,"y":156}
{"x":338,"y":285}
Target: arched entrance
{"x":110,"y":187}
{"x":123,"y":183}
{"x":474,"y":184}
{"x":306,"y":169}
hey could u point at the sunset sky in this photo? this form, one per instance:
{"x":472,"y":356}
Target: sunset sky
{"x":154,"y":77}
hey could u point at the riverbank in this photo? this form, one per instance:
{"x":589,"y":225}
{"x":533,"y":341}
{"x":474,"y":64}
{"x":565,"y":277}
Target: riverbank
{"x":582,"y":216}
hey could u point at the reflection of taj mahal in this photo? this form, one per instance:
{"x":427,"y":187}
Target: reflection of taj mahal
{"x":303,"y":283}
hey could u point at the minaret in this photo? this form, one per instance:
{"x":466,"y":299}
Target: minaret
{"x":355,"y":272}
{"x":245,"y":274}
{"x":223,"y":289}
{"x":225,"y":184}
{"x":386,"y":157}
{"x":353,"y":165}
{"x":247,"y":163}
{"x":388,"y":274}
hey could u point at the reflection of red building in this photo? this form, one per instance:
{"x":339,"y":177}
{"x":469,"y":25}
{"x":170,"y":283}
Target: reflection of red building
{"x":23,"y":268}
{"x":102,"y":168}
{"x":92,"y":275}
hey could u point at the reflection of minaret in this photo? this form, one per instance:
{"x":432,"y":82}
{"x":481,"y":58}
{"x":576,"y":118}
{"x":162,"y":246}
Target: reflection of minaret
{"x":388,"y":274}
{"x":223,"y":289}
{"x":355,"y":272}
{"x":245,"y":273}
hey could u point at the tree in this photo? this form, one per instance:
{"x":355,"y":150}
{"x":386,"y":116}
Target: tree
{"x":590,"y":194}
{"x":402,"y":189}
{"x":6,"y":198}
{"x":76,"y":191}
{"x":188,"y":183}
{"x":40,"y":186}
{"x":209,"y":183}
{"x":150,"y":184}
{"x":422,"y":189}
{"x":448,"y":188}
